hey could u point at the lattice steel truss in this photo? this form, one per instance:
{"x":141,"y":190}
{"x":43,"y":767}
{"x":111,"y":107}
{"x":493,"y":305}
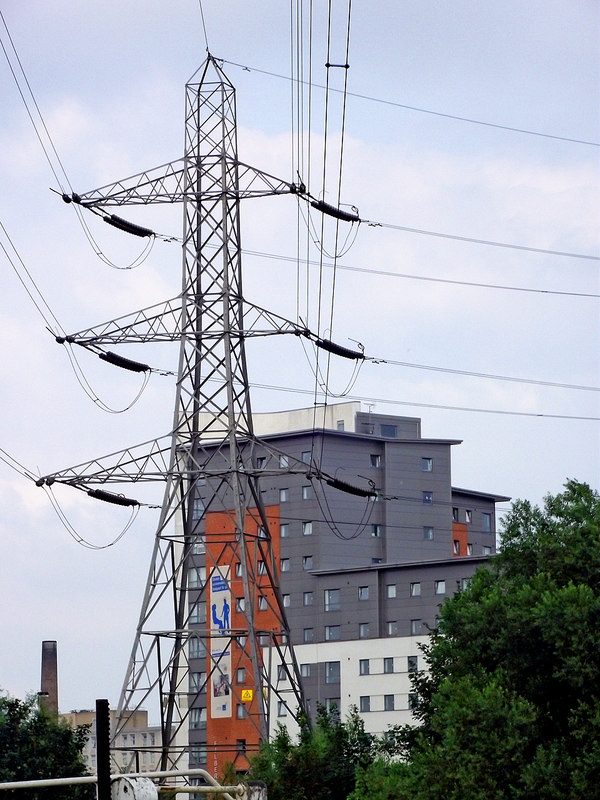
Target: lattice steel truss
{"x":212,"y":440}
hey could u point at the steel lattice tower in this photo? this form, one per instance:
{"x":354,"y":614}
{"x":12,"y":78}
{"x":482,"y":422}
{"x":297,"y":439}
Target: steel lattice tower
{"x":212,"y":440}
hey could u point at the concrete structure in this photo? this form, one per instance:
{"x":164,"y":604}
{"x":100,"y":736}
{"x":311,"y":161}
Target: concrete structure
{"x":49,"y":678}
{"x":137,"y":748}
{"x":362,"y":577}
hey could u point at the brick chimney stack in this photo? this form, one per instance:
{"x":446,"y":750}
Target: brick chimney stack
{"x":49,"y":685}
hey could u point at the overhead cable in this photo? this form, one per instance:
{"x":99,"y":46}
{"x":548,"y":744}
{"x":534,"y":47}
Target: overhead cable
{"x":455,"y":117}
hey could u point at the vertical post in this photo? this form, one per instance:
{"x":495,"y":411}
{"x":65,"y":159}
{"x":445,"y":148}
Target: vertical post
{"x":103,"y":748}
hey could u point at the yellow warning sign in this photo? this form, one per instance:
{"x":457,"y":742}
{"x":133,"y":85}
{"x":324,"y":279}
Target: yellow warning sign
{"x":247,"y":695}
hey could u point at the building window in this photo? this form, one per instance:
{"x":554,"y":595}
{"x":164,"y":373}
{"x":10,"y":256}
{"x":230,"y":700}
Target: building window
{"x":332,"y":633}
{"x":375,"y":460}
{"x":306,"y":492}
{"x":307,"y":528}
{"x":306,"y":456}
{"x":427,"y":464}
{"x":428,"y":533}
{"x":468,"y":515}
{"x":427,"y":498}
{"x":364,"y":667}
{"x":281,"y":672}
{"x":198,"y":753}
{"x":261,"y":462}
{"x":486,"y":522}
{"x":262,"y":568}
{"x":196,"y":577}
{"x":376,"y":530}
{"x":197,"y":682}
{"x":238,"y":569}
{"x":332,"y":672}
{"x":262,"y":603}
{"x":413,"y":700}
{"x":197,"y":648}
{"x":376,"y":560}
{"x":456,"y":547}
{"x":363,"y":630}
{"x":284,"y":530}
{"x":390,"y":591}
{"x":487,"y":551}
{"x":240,"y":711}
{"x":241,"y":641}
{"x":332,"y":704}
{"x":197,"y":508}
{"x":332,"y":600}
{"x":198,"y":718}
{"x":305,"y":670}
{"x":281,"y":709}
{"x":284,"y":461}
{"x":412,"y":663}
{"x":286,"y":600}
{"x":415,"y":589}
{"x":464,"y":583}
{"x":284,"y":495}
{"x":365,"y":703}
{"x":439,"y":587}
{"x":388,"y":665}
{"x":363,"y":592}
{"x":389,"y":431}
{"x":240,"y":675}
{"x":340,"y":425}
{"x":391,"y":627}
{"x":469,"y":549}
{"x":388,"y":702}
{"x":415,"y":627}
{"x":284,"y":565}
{"x":308,"y":635}
{"x":307,"y":562}
{"x":307,"y":598}
{"x":454,"y":514}
{"x":240,"y":604}
{"x":240,"y":746}
{"x":198,"y":613}
{"x":198,"y":547}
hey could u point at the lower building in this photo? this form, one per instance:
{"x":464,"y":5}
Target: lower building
{"x":138,"y":746}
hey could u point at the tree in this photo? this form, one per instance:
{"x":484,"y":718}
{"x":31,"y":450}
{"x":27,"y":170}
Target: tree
{"x":34,"y":745}
{"x":510,"y":706}
{"x":321,"y":764}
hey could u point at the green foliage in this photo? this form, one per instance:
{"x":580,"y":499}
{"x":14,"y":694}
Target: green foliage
{"x":321,"y":764}
{"x":33,"y":746}
{"x":510,"y":707}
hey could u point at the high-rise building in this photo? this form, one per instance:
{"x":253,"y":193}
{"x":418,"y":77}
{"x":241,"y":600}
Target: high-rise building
{"x":370,"y":537}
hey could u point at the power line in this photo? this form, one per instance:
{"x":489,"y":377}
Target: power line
{"x":488,"y":242}
{"x":455,"y":117}
{"x":489,"y":376}
{"x":475,"y":284}
{"x":439,"y":406}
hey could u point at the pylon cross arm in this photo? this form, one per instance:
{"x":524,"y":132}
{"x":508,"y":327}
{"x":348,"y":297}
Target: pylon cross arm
{"x":168,"y":183}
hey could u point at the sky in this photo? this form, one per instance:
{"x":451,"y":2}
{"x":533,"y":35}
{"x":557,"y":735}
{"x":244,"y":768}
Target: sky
{"x":423,"y":79}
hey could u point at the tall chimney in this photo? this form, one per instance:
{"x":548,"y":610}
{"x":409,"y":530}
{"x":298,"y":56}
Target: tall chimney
{"x":49,"y":686}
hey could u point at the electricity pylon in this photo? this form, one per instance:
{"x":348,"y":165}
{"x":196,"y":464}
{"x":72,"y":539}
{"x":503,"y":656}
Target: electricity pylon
{"x":212,"y":440}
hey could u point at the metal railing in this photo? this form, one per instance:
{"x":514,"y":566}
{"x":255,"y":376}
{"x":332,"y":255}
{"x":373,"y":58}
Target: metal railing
{"x":238,"y":792}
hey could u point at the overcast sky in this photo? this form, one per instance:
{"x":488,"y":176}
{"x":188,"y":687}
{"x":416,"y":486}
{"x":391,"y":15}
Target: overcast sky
{"x":109,"y":80}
